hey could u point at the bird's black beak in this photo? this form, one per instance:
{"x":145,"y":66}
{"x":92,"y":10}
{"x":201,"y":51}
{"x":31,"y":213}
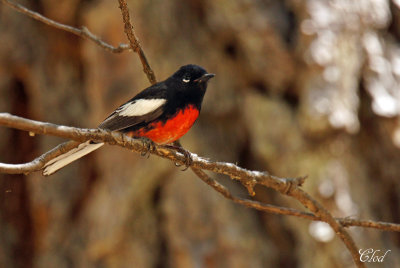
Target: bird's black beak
{"x":204,"y":78}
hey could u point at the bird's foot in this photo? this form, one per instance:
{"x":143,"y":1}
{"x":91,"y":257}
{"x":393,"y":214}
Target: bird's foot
{"x":149,"y":145}
{"x":188,"y":157}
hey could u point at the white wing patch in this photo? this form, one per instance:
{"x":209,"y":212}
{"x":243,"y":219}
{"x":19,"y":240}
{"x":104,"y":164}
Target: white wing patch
{"x":140,"y":107}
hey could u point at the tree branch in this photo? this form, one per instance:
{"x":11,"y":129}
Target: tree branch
{"x":82,"y":32}
{"x":38,"y":163}
{"x":81,"y":135}
{"x":345,"y":222}
{"x":287,"y":186}
{"x":292,"y":190}
{"x":134,"y":41}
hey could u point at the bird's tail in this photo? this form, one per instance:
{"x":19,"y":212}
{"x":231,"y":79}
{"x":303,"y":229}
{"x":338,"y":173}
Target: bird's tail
{"x":70,"y":156}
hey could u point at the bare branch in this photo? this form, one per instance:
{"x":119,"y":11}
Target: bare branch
{"x":385,"y":226}
{"x":134,"y":41}
{"x":82,"y":32}
{"x":345,"y":222}
{"x":76,"y":133}
{"x":287,"y":186}
{"x":38,"y":163}
{"x":294,"y":191}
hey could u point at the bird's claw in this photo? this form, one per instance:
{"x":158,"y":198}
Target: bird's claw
{"x":149,"y":145}
{"x":188,"y":158}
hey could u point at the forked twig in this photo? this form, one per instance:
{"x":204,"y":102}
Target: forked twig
{"x":82,"y":32}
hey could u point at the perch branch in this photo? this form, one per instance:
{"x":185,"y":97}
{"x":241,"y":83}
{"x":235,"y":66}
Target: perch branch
{"x":114,"y":138}
{"x":287,"y":186}
{"x":82,"y":32}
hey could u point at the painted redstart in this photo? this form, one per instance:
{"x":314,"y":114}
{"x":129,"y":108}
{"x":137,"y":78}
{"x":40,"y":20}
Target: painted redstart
{"x":163,"y":113}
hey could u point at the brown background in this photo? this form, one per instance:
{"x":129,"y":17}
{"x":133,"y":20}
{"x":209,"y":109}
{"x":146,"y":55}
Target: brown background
{"x":299,"y":90}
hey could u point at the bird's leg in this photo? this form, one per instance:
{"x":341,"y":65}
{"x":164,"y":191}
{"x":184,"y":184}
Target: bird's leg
{"x":186,"y":153}
{"x":178,"y":147}
{"x":149,"y":145}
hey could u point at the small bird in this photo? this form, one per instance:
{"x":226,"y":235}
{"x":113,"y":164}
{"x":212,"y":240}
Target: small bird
{"x":163,"y":113}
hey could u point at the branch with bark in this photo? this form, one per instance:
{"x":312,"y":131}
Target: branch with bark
{"x":82,"y":31}
{"x":134,"y":41}
{"x":78,"y":135}
{"x":248,"y":178}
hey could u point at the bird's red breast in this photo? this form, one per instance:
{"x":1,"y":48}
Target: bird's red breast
{"x":171,"y":129}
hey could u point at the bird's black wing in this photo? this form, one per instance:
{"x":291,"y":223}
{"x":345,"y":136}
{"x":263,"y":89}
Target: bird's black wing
{"x":144,"y":107}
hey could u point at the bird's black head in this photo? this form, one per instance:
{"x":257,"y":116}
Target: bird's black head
{"x":192,"y":76}
{"x":188,"y":85}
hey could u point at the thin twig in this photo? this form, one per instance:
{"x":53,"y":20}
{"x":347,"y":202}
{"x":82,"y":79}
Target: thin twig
{"x":82,"y":32}
{"x":319,"y":210}
{"x":345,"y":222}
{"x":134,"y":41}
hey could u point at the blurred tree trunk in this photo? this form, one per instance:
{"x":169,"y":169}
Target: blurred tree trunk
{"x":298,"y":91}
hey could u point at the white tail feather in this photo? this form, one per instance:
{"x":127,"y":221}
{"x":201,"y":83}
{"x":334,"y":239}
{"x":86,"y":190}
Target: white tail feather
{"x":70,"y":156}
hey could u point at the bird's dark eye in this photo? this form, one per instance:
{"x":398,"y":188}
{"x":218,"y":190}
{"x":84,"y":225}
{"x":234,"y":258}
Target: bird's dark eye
{"x":186,"y":78}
